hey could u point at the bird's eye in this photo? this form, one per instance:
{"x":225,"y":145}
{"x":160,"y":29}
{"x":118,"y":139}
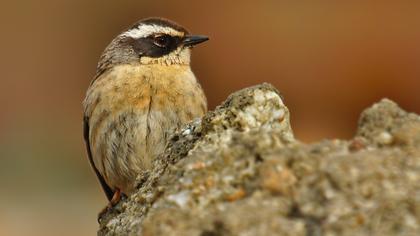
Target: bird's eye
{"x":162,"y":41}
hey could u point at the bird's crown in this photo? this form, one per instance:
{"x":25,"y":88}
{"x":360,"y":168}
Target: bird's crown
{"x":155,"y":26}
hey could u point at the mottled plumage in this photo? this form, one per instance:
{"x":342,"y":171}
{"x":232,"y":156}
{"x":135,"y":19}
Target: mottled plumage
{"x":144,"y":88}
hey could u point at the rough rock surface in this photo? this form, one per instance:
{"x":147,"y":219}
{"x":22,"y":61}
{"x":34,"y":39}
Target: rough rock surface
{"x":239,"y":171}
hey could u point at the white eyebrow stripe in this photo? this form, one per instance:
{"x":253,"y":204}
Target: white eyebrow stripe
{"x":143,"y":31}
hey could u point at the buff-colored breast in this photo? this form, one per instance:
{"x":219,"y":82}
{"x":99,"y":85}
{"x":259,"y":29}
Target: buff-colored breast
{"x":132,"y":110}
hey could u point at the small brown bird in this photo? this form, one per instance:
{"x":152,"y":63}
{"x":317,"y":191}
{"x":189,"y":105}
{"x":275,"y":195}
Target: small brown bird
{"x":143,"y":89}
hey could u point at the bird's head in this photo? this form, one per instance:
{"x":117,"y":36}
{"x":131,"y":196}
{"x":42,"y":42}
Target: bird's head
{"x":151,"y":41}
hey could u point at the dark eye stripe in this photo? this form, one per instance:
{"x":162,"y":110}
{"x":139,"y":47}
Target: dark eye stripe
{"x":148,"y":46}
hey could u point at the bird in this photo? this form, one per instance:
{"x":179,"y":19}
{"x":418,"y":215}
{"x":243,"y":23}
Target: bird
{"x":143,"y":89}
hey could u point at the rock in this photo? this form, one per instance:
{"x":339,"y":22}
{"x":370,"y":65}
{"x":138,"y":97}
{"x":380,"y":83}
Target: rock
{"x":386,"y":124}
{"x":239,"y":171}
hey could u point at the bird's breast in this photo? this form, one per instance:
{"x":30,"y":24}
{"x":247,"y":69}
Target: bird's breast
{"x":131,"y":111}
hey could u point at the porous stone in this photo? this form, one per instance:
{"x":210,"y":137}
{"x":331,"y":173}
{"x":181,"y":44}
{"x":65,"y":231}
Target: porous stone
{"x":240,"y":171}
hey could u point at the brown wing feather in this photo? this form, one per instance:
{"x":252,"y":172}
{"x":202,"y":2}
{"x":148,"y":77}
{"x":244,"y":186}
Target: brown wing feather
{"x":108,"y":191}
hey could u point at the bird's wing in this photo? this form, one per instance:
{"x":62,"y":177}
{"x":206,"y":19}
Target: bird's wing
{"x":108,"y":191}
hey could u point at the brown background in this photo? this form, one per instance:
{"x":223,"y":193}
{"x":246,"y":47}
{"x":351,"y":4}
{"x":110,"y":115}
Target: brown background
{"x":329,"y":60}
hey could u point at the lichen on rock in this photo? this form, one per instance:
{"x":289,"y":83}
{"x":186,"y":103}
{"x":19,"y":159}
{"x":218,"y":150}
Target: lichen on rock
{"x":240,"y":171}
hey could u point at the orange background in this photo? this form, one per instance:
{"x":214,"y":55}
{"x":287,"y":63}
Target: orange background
{"x":329,"y":60}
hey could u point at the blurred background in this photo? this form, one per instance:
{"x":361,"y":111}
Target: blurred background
{"x":329,"y":60}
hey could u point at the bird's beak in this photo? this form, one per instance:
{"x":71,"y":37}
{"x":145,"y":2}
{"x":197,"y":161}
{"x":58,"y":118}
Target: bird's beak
{"x":191,"y":40}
